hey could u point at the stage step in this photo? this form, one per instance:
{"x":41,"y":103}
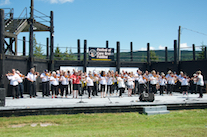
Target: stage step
{"x":153,"y":110}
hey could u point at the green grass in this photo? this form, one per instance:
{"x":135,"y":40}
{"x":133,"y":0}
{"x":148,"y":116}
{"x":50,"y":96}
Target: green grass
{"x":177,"y":123}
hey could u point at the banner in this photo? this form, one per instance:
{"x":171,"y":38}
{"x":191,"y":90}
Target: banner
{"x":101,"y":54}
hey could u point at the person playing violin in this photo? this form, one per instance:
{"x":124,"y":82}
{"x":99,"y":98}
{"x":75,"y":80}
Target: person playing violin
{"x":14,"y":82}
{"x":45,"y":83}
{"x":21,"y":86}
{"x":54,"y":80}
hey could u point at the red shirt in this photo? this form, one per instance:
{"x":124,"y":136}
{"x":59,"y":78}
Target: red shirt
{"x":76,"y":79}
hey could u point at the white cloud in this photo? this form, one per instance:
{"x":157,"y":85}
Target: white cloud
{"x":161,"y":47}
{"x":145,"y":49}
{"x":60,"y":1}
{"x":184,"y":45}
{"x":4,"y":2}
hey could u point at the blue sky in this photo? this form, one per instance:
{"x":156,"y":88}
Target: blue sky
{"x":138,"y":21}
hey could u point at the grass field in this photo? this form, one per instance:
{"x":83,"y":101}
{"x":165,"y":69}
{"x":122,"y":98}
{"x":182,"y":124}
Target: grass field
{"x":177,"y":123}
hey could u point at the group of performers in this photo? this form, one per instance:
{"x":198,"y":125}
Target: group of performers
{"x":65,"y":83}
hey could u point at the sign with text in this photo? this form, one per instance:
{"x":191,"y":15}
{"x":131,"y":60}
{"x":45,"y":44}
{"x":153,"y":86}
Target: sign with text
{"x":101,"y":54}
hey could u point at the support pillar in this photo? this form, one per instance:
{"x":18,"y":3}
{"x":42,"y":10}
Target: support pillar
{"x":47,"y":45}
{"x":166,"y":54}
{"x":118,"y":56}
{"x":178,"y":49}
{"x":15,"y":46}
{"x":78,"y":49}
{"x":107,"y":44}
{"x":148,"y":57}
{"x":85,"y":56}
{"x":31,"y":56}
{"x":175,"y":56}
{"x":2,"y":55}
{"x":10,"y":45}
{"x":193,"y":46}
{"x":24,"y":46}
{"x":131,"y":50}
{"x":51,"y":42}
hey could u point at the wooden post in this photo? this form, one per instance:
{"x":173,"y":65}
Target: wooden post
{"x":166,"y":54}
{"x":78,"y":49}
{"x":193,"y":46}
{"x":85,"y":56}
{"x":51,"y":42}
{"x":148,"y":57}
{"x":175,"y":56}
{"x":31,"y":56}
{"x":178,"y":49}
{"x":24,"y":46}
{"x":47,"y":45}
{"x":2,"y":55}
{"x":107,"y":44}
{"x":118,"y":57}
{"x":131,"y":50}
{"x":15,"y":45}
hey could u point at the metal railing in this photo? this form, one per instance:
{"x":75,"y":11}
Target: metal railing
{"x":7,"y":16}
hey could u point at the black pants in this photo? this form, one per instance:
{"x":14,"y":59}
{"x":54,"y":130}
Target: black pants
{"x":95,"y":88}
{"x":121,"y":90}
{"x":154,"y":90}
{"x":64,"y":87}
{"x":54,"y":89}
{"x":136,"y":88}
{"x":141,"y":88}
{"x":162,"y":89}
{"x":109,"y":89}
{"x":89,"y":90}
{"x":115,"y":86}
{"x":45,"y":88}
{"x":102,"y":88}
{"x":15,"y":91}
{"x":21,"y":89}
{"x":83,"y":89}
{"x":32,"y":89}
{"x":59,"y":87}
{"x":200,"y":90}
{"x":171,"y":88}
{"x":193,"y":88}
{"x":70,"y":86}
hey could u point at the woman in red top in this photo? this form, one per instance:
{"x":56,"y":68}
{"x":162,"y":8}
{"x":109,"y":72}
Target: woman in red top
{"x":76,"y":83}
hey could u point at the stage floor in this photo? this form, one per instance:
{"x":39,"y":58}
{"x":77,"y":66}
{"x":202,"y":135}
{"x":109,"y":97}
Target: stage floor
{"x":53,"y":103}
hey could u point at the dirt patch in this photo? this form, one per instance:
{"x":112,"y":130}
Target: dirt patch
{"x":17,"y":126}
{"x":47,"y":124}
{"x":33,"y":125}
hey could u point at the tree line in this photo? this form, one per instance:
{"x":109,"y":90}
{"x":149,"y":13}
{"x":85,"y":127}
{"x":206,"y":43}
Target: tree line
{"x":140,"y":56}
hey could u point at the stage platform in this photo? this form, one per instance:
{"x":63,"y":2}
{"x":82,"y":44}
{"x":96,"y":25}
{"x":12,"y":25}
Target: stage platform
{"x":114,"y":104}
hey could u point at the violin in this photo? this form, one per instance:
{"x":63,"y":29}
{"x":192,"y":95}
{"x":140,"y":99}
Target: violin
{"x":144,"y":78}
{"x":21,"y":75}
{"x":10,"y":74}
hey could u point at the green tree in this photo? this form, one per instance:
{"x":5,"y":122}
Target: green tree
{"x":153,"y":56}
{"x":37,"y":48}
{"x":201,"y":55}
{"x":68,"y":55}
{"x":58,"y":55}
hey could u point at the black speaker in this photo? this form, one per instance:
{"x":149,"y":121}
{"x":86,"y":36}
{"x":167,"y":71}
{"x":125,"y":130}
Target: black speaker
{"x":2,"y":96}
{"x":147,"y":97}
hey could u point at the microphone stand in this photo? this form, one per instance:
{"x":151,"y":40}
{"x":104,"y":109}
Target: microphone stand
{"x":81,"y":101}
{"x":109,"y":100}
